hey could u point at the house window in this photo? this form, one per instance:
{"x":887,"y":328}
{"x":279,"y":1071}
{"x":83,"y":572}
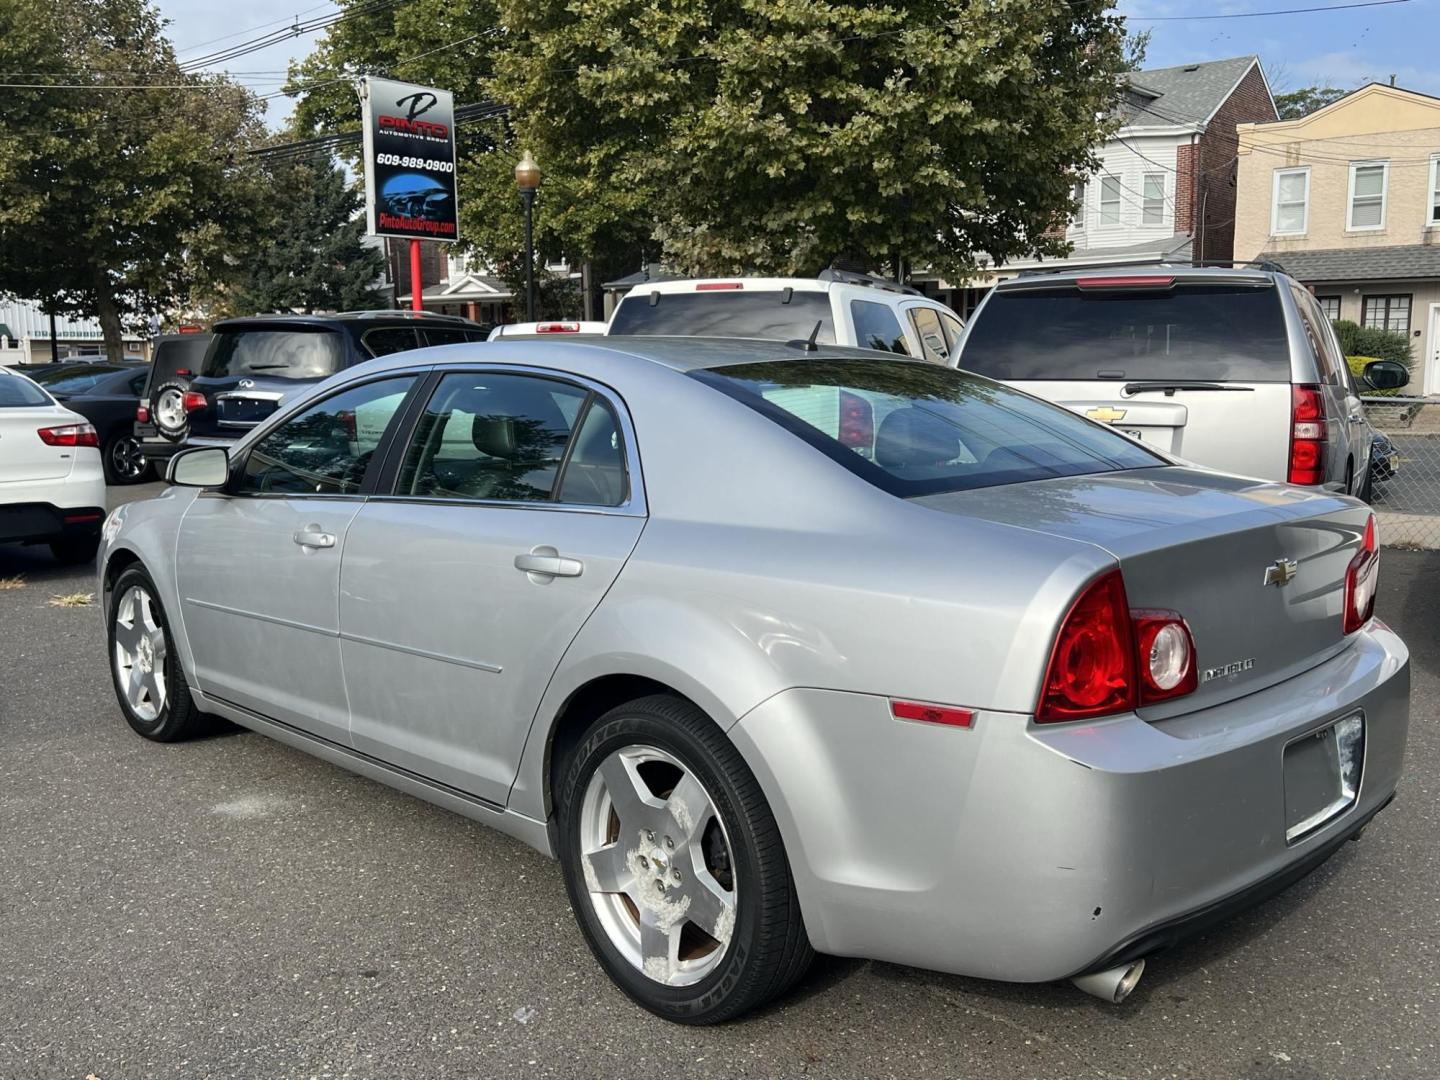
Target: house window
{"x":1077,"y":215}
{"x":1109,"y":200}
{"x":1387,"y":313}
{"x":1330,"y":305}
{"x":1367,"y":194}
{"x":1290,"y":211}
{"x":1153,"y":209}
{"x":1432,"y":216}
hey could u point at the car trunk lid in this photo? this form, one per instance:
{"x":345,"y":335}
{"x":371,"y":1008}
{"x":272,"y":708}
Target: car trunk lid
{"x":1256,"y":570}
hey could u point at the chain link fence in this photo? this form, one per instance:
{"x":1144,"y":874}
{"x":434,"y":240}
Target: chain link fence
{"x":1405,"y":469}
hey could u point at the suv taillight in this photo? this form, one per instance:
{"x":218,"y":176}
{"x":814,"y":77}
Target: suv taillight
{"x":1109,"y":659}
{"x":1362,"y":577}
{"x":1307,"y":435}
{"x":69,"y":435}
{"x":194,"y":401}
{"x":142,"y":414}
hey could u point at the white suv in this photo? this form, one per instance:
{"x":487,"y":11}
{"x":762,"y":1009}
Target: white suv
{"x":836,"y":308}
{"x":52,"y":485}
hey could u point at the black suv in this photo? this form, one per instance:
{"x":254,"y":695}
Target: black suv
{"x":252,"y":365}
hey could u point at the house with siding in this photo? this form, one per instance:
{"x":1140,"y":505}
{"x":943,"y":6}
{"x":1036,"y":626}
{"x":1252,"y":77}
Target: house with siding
{"x":1347,"y":200}
{"x":1165,"y":187}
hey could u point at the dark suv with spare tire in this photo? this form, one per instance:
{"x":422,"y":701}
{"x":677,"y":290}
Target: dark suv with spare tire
{"x":252,"y":365}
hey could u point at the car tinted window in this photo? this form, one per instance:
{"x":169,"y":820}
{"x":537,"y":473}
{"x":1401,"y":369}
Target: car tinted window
{"x":728,"y":313}
{"x":276,"y":354}
{"x":19,"y":393}
{"x":486,"y":435}
{"x":73,"y":380}
{"x":385,"y":340}
{"x":931,"y":334}
{"x":919,"y":429}
{"x":1217,"y":332}
{"x":953,"y":329}
{"x":326,"y":449}
{"x":595,"y":471}
{"x":1332,"y":369}
{"x":450,"y":335}
{"x":137,"y":383}
{"x":876,"y":327}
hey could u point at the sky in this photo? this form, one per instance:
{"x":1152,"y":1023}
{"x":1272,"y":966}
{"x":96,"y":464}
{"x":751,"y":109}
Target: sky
{"x":1337,"y":48}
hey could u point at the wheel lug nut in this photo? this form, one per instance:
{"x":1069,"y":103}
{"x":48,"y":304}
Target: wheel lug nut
{"x":644,"y":862}
{"x":669,"y":843}
{"x":650,"y":835}
{"x":675,"y":874}
{"x":659,"y":886}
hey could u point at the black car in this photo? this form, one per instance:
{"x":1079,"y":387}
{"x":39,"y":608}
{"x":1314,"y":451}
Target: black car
{"x":107,"y":396}
{"x":253,"y":365}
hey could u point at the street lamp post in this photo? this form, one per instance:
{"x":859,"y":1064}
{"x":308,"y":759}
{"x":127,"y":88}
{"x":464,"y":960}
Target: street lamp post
{"x":527,"y":179}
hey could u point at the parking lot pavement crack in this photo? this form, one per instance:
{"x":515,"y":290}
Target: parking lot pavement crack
{"x":957,"y":1000}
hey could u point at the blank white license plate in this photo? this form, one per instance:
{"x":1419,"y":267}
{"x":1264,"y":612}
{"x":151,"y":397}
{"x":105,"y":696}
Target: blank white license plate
{"x":1322,"y":775}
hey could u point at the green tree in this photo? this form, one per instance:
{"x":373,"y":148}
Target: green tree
{"x":1297,"y":103}
{"x":755,"y":136}
{"x":118,"y":203}
{"x":311,"y":257}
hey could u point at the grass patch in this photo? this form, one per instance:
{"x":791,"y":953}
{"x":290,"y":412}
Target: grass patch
{"x":74,"y":599}
{"x":16,"y":582}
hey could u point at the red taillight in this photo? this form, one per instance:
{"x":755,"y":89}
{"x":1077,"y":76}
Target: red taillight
{"x":716,"y":286}
{"x":1127,"y":281}
{"x":69,"y":435}
{"x":194,"y":401}
{"x":557,"y":328}
{"x":142,"y":414}
{"x":1109,"y":659}
{"x":1307,"y":435}
{"x":1092,"y":667}
{"x":931,"y":714}
{"x":1166,"y":654}
{"x":1362,"y":577}
{"x":857,"y":422}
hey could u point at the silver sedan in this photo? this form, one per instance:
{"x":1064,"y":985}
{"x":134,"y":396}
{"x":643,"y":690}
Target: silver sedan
{"x":780,"y":649}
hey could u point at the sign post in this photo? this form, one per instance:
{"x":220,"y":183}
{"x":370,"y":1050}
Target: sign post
{"x":409,"y":166}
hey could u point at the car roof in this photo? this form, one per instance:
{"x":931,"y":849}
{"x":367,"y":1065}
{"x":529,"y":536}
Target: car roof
{"x":1042,"y":279}
{"x":383,"y":317}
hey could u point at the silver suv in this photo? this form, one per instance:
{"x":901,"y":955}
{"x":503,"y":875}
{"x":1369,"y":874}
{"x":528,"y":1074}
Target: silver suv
{"x":1236,"y":369}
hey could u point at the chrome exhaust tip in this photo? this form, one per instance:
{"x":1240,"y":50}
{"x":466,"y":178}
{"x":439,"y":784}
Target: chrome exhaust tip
{"x":1114,"y":985}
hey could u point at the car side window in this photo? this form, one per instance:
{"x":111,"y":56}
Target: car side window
{"x":448,"y":335}
{"x":595,"y":471}
{"x":877,"y":328}
{"x":1327,"y":363}
{"x":953,"y":329}
{"x":932,"y":336}
{"x":492,"y":436}
{"x":137,"y":384}
{"x":328,"y":448}
{"x":390,"y":339}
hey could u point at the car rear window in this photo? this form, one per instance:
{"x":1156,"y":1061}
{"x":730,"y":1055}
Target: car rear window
{"x":727,"y":313}
{"x":1224,"y":333}
{"x":912,"y":428}
{"x":185,"y":352}
{"x":19,"y":393}
{"x":73,"y":379}
{"x":282,"y":354}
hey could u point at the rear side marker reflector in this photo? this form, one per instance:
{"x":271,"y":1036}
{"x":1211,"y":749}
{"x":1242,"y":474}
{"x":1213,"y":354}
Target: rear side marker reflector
{"x":80,"y":519}
{"x":932,"y":714}
{"x":716,"y":286}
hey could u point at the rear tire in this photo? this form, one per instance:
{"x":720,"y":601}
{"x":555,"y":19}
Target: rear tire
{"x":75,"y":550}
{"x":678,"y":875}
{"x":144,"y":666}
{"x":124,"y":463}
{"x":1367,"y":486}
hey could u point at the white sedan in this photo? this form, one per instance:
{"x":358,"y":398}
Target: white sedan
{"x":52,"y":485}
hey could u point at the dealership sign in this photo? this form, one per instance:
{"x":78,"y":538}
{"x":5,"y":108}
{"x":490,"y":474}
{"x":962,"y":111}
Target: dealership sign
{"x":409,"y":160}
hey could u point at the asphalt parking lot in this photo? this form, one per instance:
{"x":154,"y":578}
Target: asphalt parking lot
{"x":232,"y":907}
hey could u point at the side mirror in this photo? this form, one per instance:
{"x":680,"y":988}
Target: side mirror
{"x":1385,"y":375}
{"x":202,"y":467}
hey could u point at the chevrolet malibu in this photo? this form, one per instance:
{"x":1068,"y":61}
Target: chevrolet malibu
{"x":781,"y":648}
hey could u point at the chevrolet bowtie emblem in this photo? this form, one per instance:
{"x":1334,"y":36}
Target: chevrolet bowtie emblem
{"x":1281,"y":572}
{"x":1106,"y":415}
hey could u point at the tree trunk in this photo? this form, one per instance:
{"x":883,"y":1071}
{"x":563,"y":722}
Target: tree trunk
{"x":109,"y":314}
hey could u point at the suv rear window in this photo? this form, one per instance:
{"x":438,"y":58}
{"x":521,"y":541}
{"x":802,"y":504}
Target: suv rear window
{"x":282,"y":354}
{"x":912,"y":428}
{"x":1207,"y":332}
{"x":727,"y":313}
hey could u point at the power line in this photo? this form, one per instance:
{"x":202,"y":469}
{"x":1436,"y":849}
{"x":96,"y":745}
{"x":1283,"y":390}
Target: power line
{"x":294,"y":30}
{"x":252,"y":29}
{"x":1264,"y":14}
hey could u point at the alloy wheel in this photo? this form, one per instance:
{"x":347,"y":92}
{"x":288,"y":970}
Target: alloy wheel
{"x":140,"y":653}
{"x":126,"y":461}
{"x":658,"y":865}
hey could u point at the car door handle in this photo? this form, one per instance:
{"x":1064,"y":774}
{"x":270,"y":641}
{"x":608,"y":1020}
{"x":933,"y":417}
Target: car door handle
{"x":547,"y":562}
{"x":313,"y":537}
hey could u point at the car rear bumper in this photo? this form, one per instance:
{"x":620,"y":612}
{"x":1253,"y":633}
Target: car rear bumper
{"x":1028,"y":853}
{"x":34,"y":522}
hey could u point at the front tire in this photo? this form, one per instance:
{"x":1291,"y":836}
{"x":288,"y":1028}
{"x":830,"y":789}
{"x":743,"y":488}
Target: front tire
{"x":675,"y":866}
{"x":144,"y":666}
